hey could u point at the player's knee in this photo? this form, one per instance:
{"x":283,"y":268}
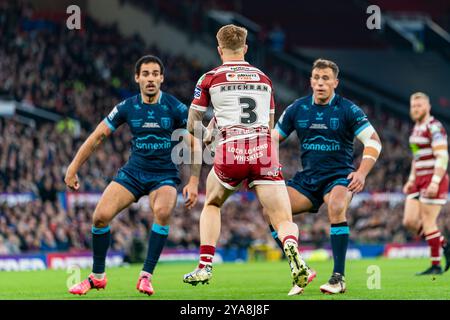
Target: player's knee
{"x":336,"y":209}
{"x":428,"y":224}
{"x":100,"y":219}
{"x":408,"y":223}
{"x":162,"y":215}
{"x":213,"y":202}
{"x":277,"y":217}
{"x":266,"y":215}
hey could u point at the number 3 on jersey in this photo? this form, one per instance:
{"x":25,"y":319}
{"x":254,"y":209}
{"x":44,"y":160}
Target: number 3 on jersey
{"x":248,"y":105}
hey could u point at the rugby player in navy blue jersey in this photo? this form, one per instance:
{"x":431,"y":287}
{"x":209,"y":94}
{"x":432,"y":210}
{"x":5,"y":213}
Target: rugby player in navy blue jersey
{"x":152,"y":116}
{"x":326,"y":125}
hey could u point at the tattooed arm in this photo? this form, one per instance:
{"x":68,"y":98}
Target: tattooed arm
{"x":87,"y":148}
{"x":196,"y":132}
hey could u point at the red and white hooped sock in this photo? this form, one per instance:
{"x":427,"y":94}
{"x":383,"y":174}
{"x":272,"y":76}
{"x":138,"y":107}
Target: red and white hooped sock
{"x":206,"y":256}
{"x":434,"y":242}
{"x":290,"y":238}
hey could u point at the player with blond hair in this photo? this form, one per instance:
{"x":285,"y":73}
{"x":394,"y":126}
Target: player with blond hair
{"x":242,"y":99}
{"x":427,"y":185}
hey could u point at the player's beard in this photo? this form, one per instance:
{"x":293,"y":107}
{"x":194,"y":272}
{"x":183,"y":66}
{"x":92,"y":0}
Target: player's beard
{"x":421,"y":117}
{"x":151,"y":94}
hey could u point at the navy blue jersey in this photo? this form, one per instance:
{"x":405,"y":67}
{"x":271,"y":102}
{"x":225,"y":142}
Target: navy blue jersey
{"x":326,"y":132}
{"x":152,"y":126}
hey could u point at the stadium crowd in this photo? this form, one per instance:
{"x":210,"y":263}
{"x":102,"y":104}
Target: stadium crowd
{"x":82,"y":75}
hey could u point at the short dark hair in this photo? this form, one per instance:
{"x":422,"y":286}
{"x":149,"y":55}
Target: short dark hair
{"x":148,"y":59}
{"x":323,"y":64}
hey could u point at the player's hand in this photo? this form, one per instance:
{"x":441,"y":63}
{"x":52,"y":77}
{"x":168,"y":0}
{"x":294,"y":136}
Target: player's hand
{"x":209,"y":132}
{"x":432,"y":190}
{"x":71,"y":179}
{"x":207,"y":139}
{"x":408,"y":187}
{"x":190,"y":193}
{"x":357,"y":181}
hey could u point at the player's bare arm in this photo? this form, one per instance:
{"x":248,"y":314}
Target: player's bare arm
{"x":190,"y":191}
{"x":194,"y":123}
{"x":271,"y":121}
{"x":411,"y":178}
{"x":440,"y":152}
{"x":87,"y":148}
{"x":372,"y":149}
{"x":276,"y":137}
{"x":194,"y":126}
{"x":209,"y":134}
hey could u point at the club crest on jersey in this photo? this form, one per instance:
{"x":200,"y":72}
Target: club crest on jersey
{"x":166,"y":123}
{"x":334,"y":123}
{"x":242,"y":76}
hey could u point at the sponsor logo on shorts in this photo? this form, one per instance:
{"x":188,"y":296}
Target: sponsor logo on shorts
{"x":275,"y":172}
{"x":247,"y":154}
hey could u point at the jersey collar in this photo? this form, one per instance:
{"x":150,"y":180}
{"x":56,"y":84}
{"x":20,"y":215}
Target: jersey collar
{"x":158,"y":102}
{"x":333,"y":98}
{"x":236,"y":62}
{"x":425,"y":124}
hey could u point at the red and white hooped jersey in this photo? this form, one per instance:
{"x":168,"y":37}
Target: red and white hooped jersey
{"x":241,"y":96}
{"x":423,"y":139}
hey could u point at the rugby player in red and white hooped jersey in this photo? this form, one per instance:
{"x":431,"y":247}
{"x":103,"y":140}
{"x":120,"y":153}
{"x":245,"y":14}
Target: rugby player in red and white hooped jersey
{"x":427,"y":185}
{"x":243,"y":104}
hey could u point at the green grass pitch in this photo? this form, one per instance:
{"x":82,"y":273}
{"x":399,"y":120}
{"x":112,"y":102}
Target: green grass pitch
{"x":247,"y":281}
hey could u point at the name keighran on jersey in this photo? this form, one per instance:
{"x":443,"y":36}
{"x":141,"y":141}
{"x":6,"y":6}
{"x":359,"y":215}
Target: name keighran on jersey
{"x":235,"y":87}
